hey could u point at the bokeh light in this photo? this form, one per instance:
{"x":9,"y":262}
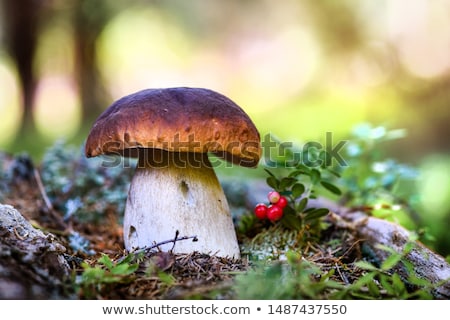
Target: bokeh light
{"x":10,"y":101}
{"x":143,"y":48}
{"x":421,"y":32}
{"x":58,"y":112}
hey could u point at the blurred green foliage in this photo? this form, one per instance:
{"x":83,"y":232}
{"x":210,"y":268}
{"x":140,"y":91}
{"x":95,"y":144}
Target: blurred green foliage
{"x":364,"y":176}
{"x":373,"y":179}
{"x":388,"y":188}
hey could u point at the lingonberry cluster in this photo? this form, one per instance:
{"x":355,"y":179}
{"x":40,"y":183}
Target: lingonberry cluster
{"x":274,"y":211}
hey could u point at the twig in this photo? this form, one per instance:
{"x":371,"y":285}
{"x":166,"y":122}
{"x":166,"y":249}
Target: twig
{"x":174,"y":240}
{"x":47,"y":201}
{"x":351,"y":247}
{"x":343,"y":277}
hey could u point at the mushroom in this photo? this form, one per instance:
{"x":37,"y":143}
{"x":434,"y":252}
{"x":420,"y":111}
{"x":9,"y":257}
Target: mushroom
{"x":174,"y":188}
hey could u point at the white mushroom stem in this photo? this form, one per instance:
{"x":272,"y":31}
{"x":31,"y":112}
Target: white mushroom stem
{"x":178,"y":191}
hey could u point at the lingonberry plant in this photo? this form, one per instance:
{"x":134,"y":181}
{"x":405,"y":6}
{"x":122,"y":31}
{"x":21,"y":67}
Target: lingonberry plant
{"x":291,"y":193}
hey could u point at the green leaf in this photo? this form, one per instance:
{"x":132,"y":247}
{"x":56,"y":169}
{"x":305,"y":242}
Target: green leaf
{"x":85,"y":265}
{"x":421,"y":295}
{"x":364,"y":280}
{"x":166,"y":278}
{"x":331,"y":187}
{"x":418,"y":281}
{"x":311,"y":209}
{"x":386,"y":248}
{"x":391,"y":261}
{"x":286,"y":182}
{"x":106,"y":261}
{"x":328,"y":275}
{"x":128,"y":258}
{"x":408,"y":247}
{"x":290,"y":219}
{"x":373,"y":289}
{"x":273,"y":182}
{"x":125,"y":269}
{"x":295,"y":173}
{"x":93,"y":274}
{"x":334,"y":285}
{"x":408,"y":265}
{"x":334,"y":173}
{"x":315,"y":176}
{"x":385,"y":281}
{"x":316,"y":214}
{"x":301,"y":205}
{"x":120,"y":269}
{"x":297,"y":190}
{"x":303,"y":169}
{"x":365,"y":265}
{"x":338,"y":294}
{"x":270,"y":173}
{"x":398,"y":284}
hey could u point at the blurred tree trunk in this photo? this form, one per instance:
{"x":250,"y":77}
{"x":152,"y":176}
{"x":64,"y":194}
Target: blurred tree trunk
{"x":21,"y":24}
{"x":89,"y":20}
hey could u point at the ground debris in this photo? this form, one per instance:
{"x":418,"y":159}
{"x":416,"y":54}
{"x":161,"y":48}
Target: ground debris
{"x":32,"y":264}
{"x":164,"y":275}
{"x":160,"y":275}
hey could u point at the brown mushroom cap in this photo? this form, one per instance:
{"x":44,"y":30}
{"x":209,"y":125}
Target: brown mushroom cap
{"x":177,"y":120}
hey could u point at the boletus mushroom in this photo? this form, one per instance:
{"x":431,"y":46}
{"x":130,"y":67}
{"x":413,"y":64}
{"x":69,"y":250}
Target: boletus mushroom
{"x":174,"y":188}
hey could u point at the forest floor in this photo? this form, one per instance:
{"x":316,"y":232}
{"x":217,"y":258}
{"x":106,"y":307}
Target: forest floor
{"x":98,"y":267}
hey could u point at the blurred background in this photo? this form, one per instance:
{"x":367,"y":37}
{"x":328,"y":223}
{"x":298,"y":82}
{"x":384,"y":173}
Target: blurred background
{"x":299,"y":68}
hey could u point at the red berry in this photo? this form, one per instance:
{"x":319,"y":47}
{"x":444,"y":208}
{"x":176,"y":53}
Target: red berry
{"x":261,"y":211}
{"x":274,"y":212}
{"x":273,"y":196}
{"x":282,"y":202}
